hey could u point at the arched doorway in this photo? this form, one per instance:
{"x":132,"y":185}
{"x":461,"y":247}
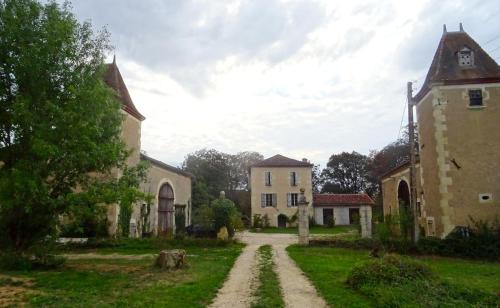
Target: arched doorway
{"x":282,"y":221}
{"x":403,"y":194}
{"x":165,"y":209}
{"x":405,"y":215}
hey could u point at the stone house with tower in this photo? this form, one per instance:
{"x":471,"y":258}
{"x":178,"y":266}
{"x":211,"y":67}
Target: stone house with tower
{"x":275,"y":185}
{"x":169,"y":186}
{"x":458,"y":112}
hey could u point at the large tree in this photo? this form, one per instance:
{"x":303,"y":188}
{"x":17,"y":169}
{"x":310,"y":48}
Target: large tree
{"x":345,"y":173}
{"x":60,"y":124}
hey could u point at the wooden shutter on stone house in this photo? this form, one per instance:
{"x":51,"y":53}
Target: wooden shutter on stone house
{"x":275,"y":200}
{"x":262,"y":200}
{"x":288,"y":199}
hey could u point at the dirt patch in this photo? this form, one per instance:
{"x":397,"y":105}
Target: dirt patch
{"x":13,"y":290}
{"x":106,"y":267}
{"x":85,"y":256}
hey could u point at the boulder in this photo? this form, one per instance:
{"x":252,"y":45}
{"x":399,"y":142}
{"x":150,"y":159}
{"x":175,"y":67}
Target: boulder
{"x":171,"y":259}
{"x":223,"y":235}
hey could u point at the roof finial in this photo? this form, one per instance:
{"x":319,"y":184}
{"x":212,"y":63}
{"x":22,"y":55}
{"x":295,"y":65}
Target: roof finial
{"x":461,"y":28}
{"x":114,"y":58}
{"x":444,"y":29}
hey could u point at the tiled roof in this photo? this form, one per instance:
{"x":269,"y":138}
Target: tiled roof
{"x":114,"y":79}
{"x":446,"y":70}
{"x":341,"y":199}
{"x":281,"y":161}
{"x":166,"y":166}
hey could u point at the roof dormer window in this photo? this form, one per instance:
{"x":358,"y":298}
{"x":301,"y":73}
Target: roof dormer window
{"x":465,"y":57}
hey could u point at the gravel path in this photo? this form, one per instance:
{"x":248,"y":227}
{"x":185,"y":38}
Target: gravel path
{"x":238,"y":288}
{"x":242,"y":281}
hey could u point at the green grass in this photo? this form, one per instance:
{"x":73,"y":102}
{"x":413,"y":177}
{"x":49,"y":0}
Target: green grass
{"x":328,"y":269}
{"x":312,"y":230}
{"x":122,"y":282}
{"x":269,"y":293}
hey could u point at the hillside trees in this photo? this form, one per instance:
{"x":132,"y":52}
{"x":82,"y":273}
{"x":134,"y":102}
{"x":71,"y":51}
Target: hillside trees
{"x":60,"y":143}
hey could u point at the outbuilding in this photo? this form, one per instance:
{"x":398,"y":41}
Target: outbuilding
{"x":344,"y":209}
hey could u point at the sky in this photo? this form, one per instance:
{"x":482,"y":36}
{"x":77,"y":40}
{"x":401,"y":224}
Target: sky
{"x":305,"y":79}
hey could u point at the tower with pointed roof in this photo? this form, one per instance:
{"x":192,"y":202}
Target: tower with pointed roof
{"x":458,"y":111}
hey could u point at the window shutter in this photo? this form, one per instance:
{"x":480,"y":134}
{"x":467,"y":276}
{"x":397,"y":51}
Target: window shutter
{"x":275,"y":201}
{"x":263,"y":200}
{"x":270,"y":179}
{"x":290,"y":178}
{"x":265,"y":178}
{"x":288,"y":199}
{"x":297,"y":179}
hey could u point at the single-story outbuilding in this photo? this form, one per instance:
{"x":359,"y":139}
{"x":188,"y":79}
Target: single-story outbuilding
{"x":345,"y":209}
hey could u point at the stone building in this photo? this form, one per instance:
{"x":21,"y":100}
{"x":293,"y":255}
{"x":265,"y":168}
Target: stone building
{"x":170,"y":186}
{"x":458,"y":112}
{"x":275,"y":185}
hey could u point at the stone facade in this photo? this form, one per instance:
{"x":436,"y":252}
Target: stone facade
{"x":280,"y":187}
{"x":159,"y":173}
{"x":459,"y":138}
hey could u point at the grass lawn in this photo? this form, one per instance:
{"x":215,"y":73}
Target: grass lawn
{"x":328,"y":268}
{"x":127,"y":282}
{"x":269,"y":293}
{"x":312,"y":230}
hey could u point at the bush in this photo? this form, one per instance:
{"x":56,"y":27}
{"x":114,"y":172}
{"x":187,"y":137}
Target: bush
{"x":86,"y":221}
{"x":257,"y":221}
{"x":225,"y":213}
{"x":390,"y":269}
{"x":265,"y":221}
{"x":204,"y":217}
{"x":394,"y":281}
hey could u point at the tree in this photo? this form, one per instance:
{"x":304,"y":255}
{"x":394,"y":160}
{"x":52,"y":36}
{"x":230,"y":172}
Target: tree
{"x":316,"y":179}
{"x":221,"y":171}
{"x":346,"y":173}
{"x":60,"y":143}
{"x":201,"y":196}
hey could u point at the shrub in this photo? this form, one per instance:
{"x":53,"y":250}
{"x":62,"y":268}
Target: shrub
{"x":394,"y":281}
{"x":86,"y":221}
{"x":330,"y":223}
{"x":224,"y":213}
{"x":22,"y":262}
{"x":390,"y":269}
{"x":257,"y":221}
{"x":265,"y":221}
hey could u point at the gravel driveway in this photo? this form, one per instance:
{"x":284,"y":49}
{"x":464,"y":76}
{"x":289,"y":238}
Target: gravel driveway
{"x":242,"y":281}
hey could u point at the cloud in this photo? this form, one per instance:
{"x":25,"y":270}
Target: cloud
{"x":300,"y":78}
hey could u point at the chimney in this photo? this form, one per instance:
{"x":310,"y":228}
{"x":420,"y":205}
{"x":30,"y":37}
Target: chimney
{"x":461,"y":27}
{"x":444,"y":29}
{"x":305,"y":160}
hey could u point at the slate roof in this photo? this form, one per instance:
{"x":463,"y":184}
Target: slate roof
{"x":446,"y":70}
{"x":281,"y":161}
{"x":114,"y":79}
{"x":341,"y":199}
{"x":166,"y":166}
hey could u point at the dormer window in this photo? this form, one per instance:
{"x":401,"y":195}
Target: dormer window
{"x":465,"y":57}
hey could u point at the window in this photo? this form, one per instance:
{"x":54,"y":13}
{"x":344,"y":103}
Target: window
{"x":465,"y":57}
{"x":268,"y":200}
{"x":475,"y":98}
{"x":292,"y":199}
{"x":293,"y":178}
{"x":267,"y":176}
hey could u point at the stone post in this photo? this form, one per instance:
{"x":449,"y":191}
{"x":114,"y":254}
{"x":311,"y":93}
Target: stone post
{"x":303,"y":219}
{"x":365,"y":220}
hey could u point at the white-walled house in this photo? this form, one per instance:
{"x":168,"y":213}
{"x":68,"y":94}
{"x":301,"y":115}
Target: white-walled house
{"x":342,"y":208}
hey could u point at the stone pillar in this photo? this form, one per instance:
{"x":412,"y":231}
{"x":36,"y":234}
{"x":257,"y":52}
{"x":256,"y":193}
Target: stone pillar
{"x":365,"y":220}
{"x":303,"y":219}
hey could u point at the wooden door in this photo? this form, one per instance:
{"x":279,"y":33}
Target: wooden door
{"x":165,"y":209}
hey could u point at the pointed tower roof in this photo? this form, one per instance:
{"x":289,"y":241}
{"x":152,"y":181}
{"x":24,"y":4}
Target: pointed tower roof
{"x":114,"y":79}
{"x":282,"y":161}
{"x":445,"y":68}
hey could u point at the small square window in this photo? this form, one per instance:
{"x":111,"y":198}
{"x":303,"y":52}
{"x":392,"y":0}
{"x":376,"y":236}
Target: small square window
{"x":475,"y":98}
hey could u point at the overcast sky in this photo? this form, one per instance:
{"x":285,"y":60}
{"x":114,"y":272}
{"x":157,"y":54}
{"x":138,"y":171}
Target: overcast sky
{"x":299,"y":78}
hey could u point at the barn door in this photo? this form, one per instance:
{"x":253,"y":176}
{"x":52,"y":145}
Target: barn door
{"x":166,"y":210}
